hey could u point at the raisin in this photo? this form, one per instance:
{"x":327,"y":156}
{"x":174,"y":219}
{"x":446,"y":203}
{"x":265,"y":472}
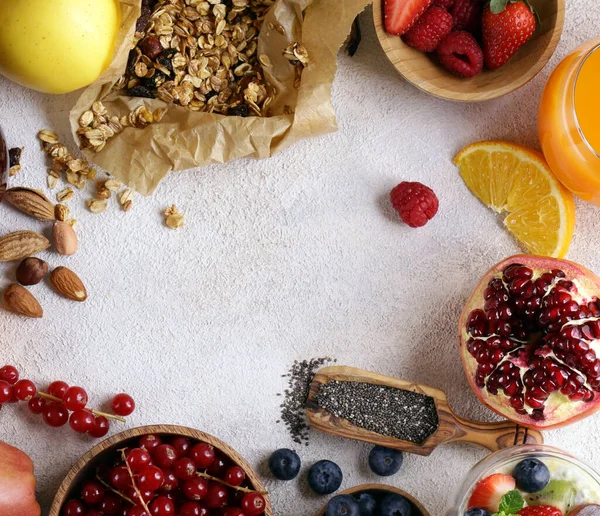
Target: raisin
{"x":141,"y":91}
{"x":14,"y":156}
{"x":239,"y":110}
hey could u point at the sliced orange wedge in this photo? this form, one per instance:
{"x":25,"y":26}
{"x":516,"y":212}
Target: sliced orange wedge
{"x":516,"y":181}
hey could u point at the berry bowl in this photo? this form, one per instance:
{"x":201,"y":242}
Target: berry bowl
{"x":177,"y":470}
{"x":424,"y":72}
{"x":380,"y":492}
{"x":528,"y":476}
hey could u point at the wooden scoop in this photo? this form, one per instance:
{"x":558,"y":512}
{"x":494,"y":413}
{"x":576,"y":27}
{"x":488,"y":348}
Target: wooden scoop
{"x":493,"y":436}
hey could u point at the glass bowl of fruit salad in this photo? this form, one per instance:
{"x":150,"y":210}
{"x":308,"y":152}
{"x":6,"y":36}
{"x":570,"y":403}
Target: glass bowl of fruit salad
{"x":165,"y":469}
{"x":529,"y":480}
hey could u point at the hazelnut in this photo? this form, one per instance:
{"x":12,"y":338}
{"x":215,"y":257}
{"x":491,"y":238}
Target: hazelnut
{"x":31,"y":271}
{"x":151,"y":47}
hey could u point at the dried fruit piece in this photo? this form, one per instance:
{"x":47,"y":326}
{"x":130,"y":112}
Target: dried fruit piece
{"x":21,"y":301}
{"x":31,"y":271}
{"x":173,"y":217}
{"x":21,"y":244}
{"x":31,"y":202}
{"x":65,"y":238}
{"x":67,"y":283}
{"x":14,"y":160}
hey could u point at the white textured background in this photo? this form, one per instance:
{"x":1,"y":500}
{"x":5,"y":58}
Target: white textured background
{"x":288,"y":258}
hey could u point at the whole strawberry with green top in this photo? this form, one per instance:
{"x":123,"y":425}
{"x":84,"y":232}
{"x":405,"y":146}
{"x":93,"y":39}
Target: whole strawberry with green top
{"x":507,"y":26}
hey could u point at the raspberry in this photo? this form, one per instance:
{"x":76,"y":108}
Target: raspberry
{"x":467,"y":15}
{"x":540,"y":510}
{"x":429,"y":30}
{"x":444,"y":4}
{"x":460,"y":53}
{"x":415,"y":202}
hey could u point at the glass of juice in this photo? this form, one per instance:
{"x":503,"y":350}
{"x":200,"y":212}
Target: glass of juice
{"x":567,"y":484}
{"x":568,"y":122}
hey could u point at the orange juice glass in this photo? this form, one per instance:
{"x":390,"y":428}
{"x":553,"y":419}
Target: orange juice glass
{"x":569,"y":122}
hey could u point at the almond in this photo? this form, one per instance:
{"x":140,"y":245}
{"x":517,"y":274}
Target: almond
{"x":21,"y":244}
{"x":21,"y":301}
{"x":67,"y":283}
{"x":32,"y":202}
{"x":65,"y":238}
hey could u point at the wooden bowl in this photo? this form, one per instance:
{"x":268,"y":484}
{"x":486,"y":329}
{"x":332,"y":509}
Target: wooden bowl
{"x":80,"y":471}
{"x":379,"y":489}
{"x":425,"y":73}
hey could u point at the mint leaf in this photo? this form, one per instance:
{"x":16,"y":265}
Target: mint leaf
{"x":504,"y":514}
{"x":497,"y":6}
{"x":512,"y":502}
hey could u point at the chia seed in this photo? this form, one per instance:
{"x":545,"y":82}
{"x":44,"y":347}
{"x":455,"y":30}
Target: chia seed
{"x":388,"y":411}
{"x":300,"y":376}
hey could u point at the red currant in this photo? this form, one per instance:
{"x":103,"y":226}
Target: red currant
{"x":75,"y":398}
{"x":94,"y":512}
{"x":82,"y":421}
{"x":137,"y":510}
{"x":171,"y":482}
{"x":111,"y":504}
{"x":6,"y":391}
{"x":253,"y":504}
{"x":132,"y":494}
{"x":184,"y":468}
{"x":192,"y":509}
{"x":181,"y":445}
{"x":150,"y":442}
{"x":138,"y":459}
{"x":150,"y":478}
{"x":202,"y":454}
{"x":164,"y":456}
{"x":101,"y":426}
{"x":235,"y":476}
{"x":123,"y":404}
{"x":195,"y":488}
{"x":119,"y":477}
{"x":216,"y":496}
{"x":36,"y":405}
{"x":162,"y":506}
{"x":92,"y":492}
{"x":55,"y":414}
{"x":218,"y":467}
{"x":233,"y":511}
{"x":9,"y":374}
{"x":73,"y":508}
{"x":58,"y":389}
{"x":24,"y":390}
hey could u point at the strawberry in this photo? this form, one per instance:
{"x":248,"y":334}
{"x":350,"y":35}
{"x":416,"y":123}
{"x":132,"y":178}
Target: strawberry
{"x":507,"y":26}
{"x":540,"y":510}
{"x":401,"y":15}
{"x":429,"y":30}
{"x":489,"y":491}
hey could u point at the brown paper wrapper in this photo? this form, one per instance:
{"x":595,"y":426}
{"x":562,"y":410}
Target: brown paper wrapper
{"x":185,"y":139}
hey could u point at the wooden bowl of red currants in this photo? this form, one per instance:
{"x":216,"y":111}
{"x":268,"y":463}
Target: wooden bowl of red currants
{"x":377,"y":493}
{"x":161,"y":470}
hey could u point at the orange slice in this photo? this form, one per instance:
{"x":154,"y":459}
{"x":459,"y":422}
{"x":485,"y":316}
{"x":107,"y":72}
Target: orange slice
{"x":516,"y":181}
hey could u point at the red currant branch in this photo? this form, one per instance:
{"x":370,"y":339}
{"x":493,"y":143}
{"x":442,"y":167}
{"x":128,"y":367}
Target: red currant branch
{"x":238,"y":488}
{"x":95,"y":412}
{"x":142,"y":501}
{"x":116,"y":491}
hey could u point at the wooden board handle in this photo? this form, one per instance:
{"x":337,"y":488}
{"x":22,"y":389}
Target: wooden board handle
{"x":494,"y":436}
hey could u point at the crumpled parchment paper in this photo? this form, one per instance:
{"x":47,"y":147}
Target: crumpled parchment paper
{"x":185,"y":139}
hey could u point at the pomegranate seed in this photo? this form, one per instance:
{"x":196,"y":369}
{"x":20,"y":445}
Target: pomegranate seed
{"x":534,"y":402}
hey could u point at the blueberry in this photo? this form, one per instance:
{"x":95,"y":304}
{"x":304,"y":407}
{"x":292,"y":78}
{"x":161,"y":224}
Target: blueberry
{"x":342,"y":505}
{"x":385,"y":461}
{"x":367,"y":504}
{"x":531,"y":475}
{"x":284,"y":464}
{"x":394,"y":505}
{"x":478,"y":512}
{"x":325,"y":477}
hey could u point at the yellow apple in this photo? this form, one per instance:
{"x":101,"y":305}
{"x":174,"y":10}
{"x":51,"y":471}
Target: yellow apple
{"x":57,"y":46}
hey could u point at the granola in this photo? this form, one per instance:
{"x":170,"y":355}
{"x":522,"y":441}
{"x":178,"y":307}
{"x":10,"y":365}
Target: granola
{"x":173,"y":217}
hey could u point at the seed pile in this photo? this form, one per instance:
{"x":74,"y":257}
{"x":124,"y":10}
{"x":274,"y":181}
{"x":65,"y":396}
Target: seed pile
{"x":299,"y":377}
{"x":385,"y":410}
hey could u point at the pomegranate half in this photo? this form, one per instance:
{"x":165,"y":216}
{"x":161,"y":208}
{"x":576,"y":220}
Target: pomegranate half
{"x":529,"y":336}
